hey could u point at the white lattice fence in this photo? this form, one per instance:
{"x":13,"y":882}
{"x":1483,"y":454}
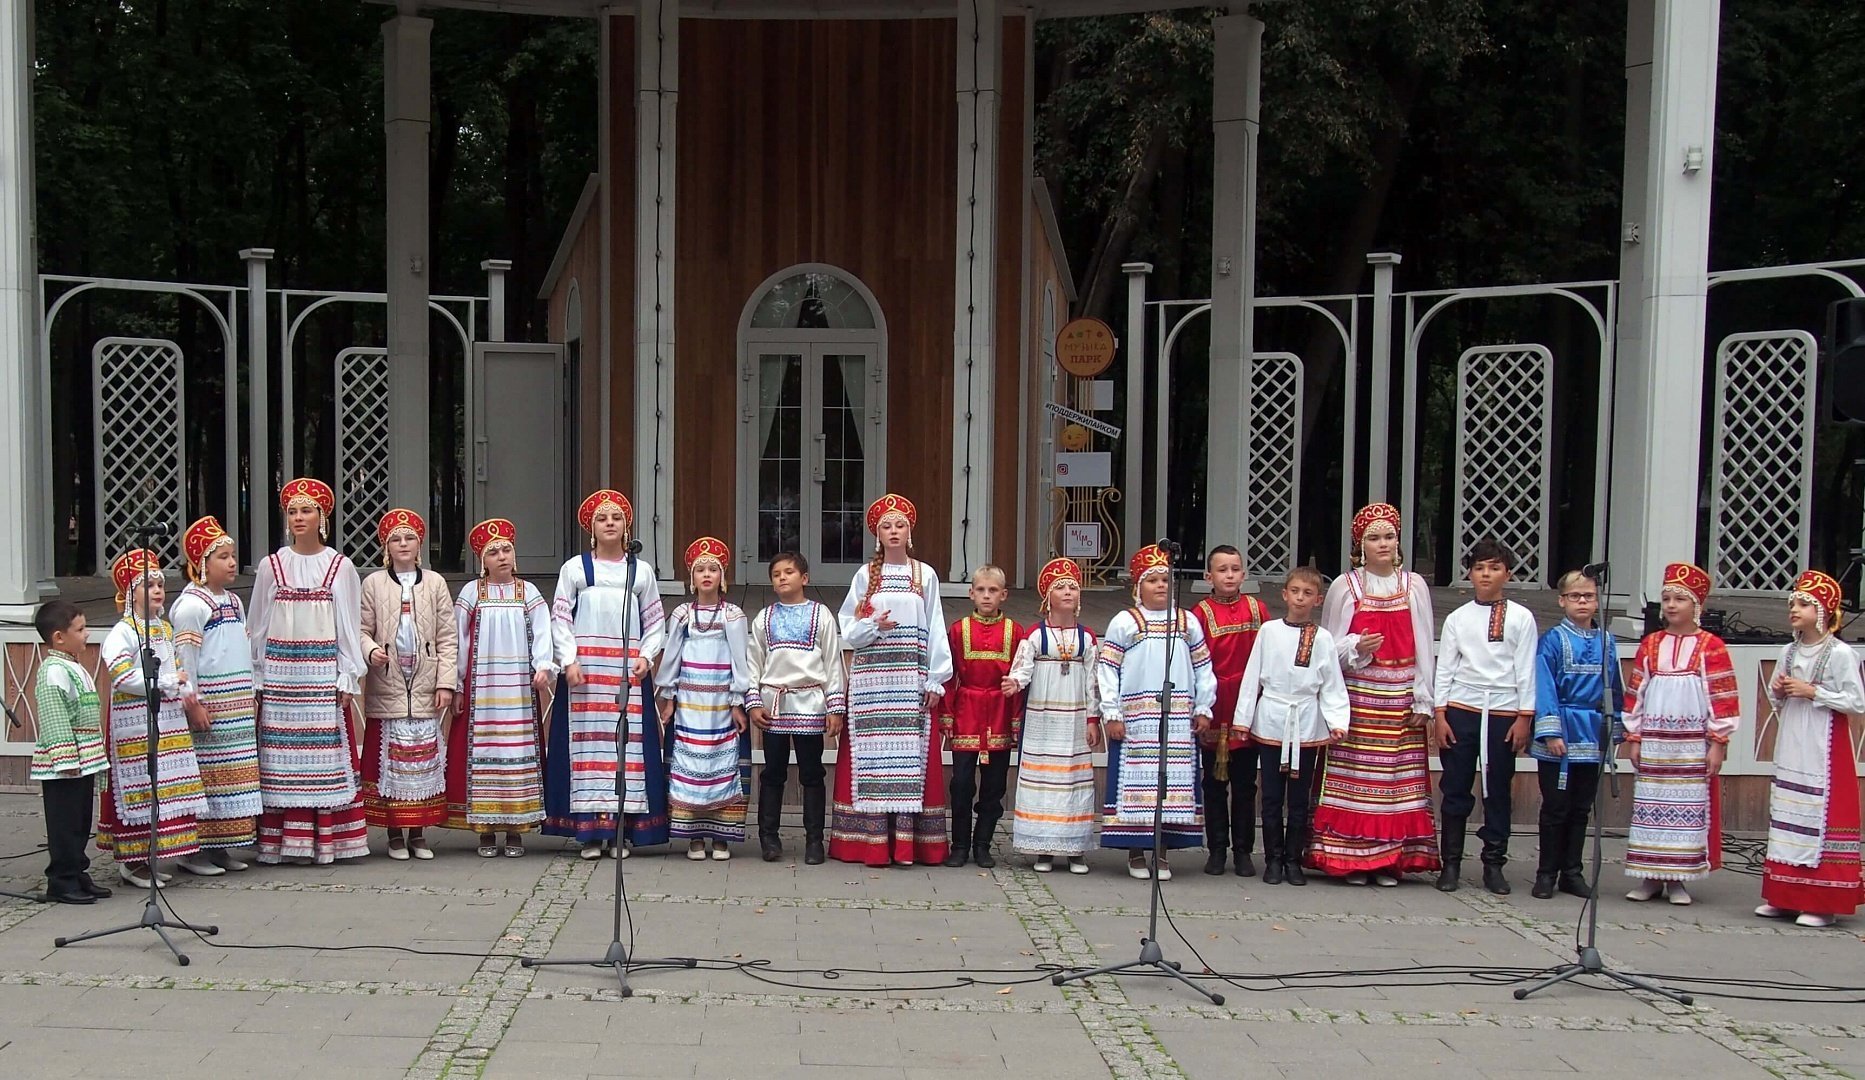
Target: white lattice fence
{"x":1275,"y":475}
{"x":362,"y":486}
{"x":1761,"y":471}
{"x":1505,"y":416}
{"x":140,"y":459}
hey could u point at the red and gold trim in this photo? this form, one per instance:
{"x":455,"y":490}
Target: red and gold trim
{"x":400,"y":520}
{"x":1820,"y":589}
{"x":1690,"y":578}
{"x":132,"y":568}
{"x":889,"y":505}
{"x":605,"y":499}
{"x":202,"y":539}
{"x":308,"y":490}
{"x":491,"y":531}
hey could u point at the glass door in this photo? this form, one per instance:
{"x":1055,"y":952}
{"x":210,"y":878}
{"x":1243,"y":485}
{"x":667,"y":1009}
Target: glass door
{"x":817,"y":423}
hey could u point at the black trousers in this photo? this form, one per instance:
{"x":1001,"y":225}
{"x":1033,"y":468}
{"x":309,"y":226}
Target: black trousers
{"x":1229,"y":805}
{"x":1565,"y":814}
{"x":67,"y":833}
{"x":777,"y":750}
{"x":1285,"y":838}
{"x":1458,"y":783}
{"x":987,"y":784}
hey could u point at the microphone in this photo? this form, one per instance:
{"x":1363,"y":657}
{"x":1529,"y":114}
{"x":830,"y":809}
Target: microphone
{"x":1169,"y":546}
{"x":1597,"y":571}
{"x":634,"y":547}
{"x":154,"y":528}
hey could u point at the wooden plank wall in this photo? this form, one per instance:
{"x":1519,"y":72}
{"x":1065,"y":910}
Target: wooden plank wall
{"x":1013,"y":200}
{"x":584,"y":270}
{"x":619,"y":203}
{"x":816,"y":141}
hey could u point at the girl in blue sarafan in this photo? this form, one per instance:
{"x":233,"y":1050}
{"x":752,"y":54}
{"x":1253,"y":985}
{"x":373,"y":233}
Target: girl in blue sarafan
{"x":1568,"y":694}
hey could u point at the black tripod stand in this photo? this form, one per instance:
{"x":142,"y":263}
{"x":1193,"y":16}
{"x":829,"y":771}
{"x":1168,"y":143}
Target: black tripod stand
{"x":1588,"y":960}
{"x":1151,"y":957}
{"x":617,"y":957}
{"x":152,"y":701}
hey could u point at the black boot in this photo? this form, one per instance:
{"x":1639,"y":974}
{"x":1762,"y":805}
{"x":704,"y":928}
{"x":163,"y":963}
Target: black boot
{"x":981,"y":842}
{"x":1573,"y":880}
{"x":1272,"y":853}
{"x":1544,"y":886}
{"x":961,"y":837}
{"x":1451,"y":848}
{"x":770,"y":816}
{"x":1495,"y":856}
{"x":1552,"y":849}
{"x":1214,"y":862}
{"x":815,"y":802}
{"x":1293,"y":856}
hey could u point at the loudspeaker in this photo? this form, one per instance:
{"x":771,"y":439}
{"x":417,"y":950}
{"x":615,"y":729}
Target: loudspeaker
{"x":1845,"y":351}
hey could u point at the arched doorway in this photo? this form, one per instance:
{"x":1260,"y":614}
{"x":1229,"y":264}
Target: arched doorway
{"x":812,"y":420}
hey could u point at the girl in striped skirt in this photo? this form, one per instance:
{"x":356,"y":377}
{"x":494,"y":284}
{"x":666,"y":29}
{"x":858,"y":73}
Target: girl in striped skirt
{"x":704,"y":674}
{"x":1055,"y":811}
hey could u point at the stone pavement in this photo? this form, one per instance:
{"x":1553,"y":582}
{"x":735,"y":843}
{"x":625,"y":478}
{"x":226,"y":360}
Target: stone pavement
{"x":108,"y":1008}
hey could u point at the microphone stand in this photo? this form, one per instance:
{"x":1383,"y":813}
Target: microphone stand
{"x":152,"y":697}
{"x":1587,"y":959}
{"x":1151,"y":957}
{"x":617,"y":957}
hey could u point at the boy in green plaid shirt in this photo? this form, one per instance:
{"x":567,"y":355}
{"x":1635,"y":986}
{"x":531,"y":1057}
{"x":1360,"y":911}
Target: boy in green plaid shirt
{"x":69,"y":752}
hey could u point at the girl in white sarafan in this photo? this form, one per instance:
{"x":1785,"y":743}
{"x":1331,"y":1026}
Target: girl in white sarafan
{"x":1055,"y":661}
{"x":702,"y":682}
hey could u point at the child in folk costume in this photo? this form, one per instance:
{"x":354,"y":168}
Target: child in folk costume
{"x":982,"y":716}
{"x":1681,"y":707}
{"x":1291,"y":702}
{"x":797,"y":699}
{"x":704,"y":673}
{"x":1571,"y":664}
{"x":210,"y":636}
{"x":1231,"y":622}
{"x":305,"y":622}
{"x":412,"y":647}
{"x":495,"y":758}
{"x":1055,"y":664}
{"x":68,"y":753}
{"x":1813,"y":810}
{"x":890,"y":794}
{"x":1485,"y":694}
{"x":123,"y":821}
{"x":1131,"y":667}
{"x":608,"y":626}
{"x":1373,"y":819}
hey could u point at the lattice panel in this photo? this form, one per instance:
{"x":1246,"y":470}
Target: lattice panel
{"x":362,"y":486}
{"x":1275,"y":475}
{"x":1761,"y":471}
{"x":139,"y":416}
{"x":1505,"y":416}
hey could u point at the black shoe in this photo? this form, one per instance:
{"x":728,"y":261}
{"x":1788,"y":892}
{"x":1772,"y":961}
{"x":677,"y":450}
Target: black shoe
{"x":91,"y":888}
{"x":1494,"y":881}
{"x":813,"y":854}
{"x":68,"y":898}
{"x":981,"y":854}
{"x":1447,"y":877}
{"x":770,"y":817}
{"x":815,"y":809}
{"x":1574,"y":883}
{"x":1292,"y":872}
{"x":1544,"y":886}
{"x":1272,"y":871}
{"x":1214,"y":863}
{"x":1246,"y":867}
{"x":771,"y":848}
{"x":958,"y":857}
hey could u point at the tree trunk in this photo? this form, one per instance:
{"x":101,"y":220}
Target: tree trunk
{"x":1121,"y":227}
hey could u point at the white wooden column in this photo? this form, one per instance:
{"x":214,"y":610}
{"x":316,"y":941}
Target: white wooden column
{"x":1236,"y":93}
{"x":259,"y":407}
{"x":657,"y":76}
{"x":495,"y":269}
{"x":974,"y":324}
{"x":1132,"y":518}
{"x":25,"y":504}
{"x":405,"y":121}
{"x":1664,"y":271}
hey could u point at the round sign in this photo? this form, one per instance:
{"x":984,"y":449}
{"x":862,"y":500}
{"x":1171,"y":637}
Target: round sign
{"x":1085,"y":348}
{"x":1074,"y":437}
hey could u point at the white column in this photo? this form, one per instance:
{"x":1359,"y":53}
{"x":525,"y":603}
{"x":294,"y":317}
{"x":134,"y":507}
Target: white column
{"x":405,"y":120}
{"x":1132,"y":520}
{"x":1664,"y":268}
{"x":1379,"y":395}
{"x":259,"y":405}
{"x":25,"y":506}
{"x":604,"y":354}
{"x":657,"y":74}
{"x":1236,"y":85}
{"x":495,"y":269}
{"x":974,"y":325}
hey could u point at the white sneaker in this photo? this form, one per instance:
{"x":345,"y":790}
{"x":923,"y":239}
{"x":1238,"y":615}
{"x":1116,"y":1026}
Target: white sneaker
{"x":201,"y":866}
{"x":1769,"y":911}
{"x":1044,"y":864}
{"x":1678,"y":895}
{"x":1812,"y":920}
{"x":1646,"y":889}
{"x":1077,"y":864}
{"x":696,"y":850}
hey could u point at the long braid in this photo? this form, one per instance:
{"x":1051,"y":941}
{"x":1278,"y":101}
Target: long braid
{"x":874,"y":582}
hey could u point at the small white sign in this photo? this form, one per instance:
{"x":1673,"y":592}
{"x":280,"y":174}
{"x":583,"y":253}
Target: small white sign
{"x":1081,"y":540}
{"x":1089,"y":469}
{"x":1083,"y":419}
{"x":1101,"y":395}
